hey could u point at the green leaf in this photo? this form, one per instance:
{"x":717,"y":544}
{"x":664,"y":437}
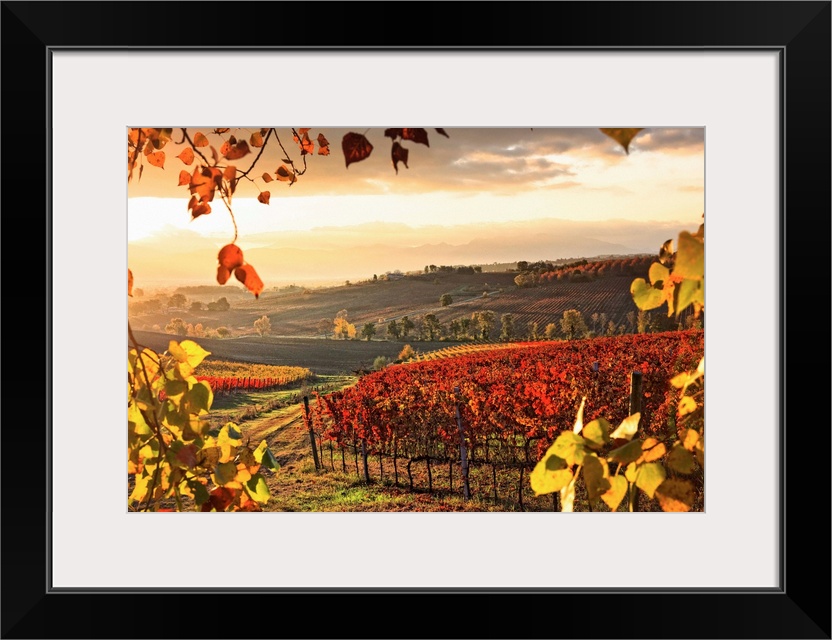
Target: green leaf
{"x":680,"y":460}
{"x":597,"y":433}
{"x":175,"y":388}
{"x":596,"y":476}
{"x":264,"y":456}
{"x":260,"y":450}
{"x":627,"y":429}
{"x":616,"y":493}
{"x":137,"y":428}
{"x":547,"y":480}
{"x":568,"y":446}
{"x":650,"y":475}
{"x":645,"y":296}
{"x":689,"y":292}
{"x":630,"y":452}
{"x":658,"y":273}
{"x":225,"y":472}
{"x":200,"y":492}
{"x":690,"y":257}
{"x":199,"y":398}
{"x":257,"y":489}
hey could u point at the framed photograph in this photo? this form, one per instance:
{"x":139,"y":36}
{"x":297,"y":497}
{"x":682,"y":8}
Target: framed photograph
{"x":747,"y":85}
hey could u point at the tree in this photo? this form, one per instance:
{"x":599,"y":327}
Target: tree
{"x":551,"y":331}
{"x":455,"y":328}
{"x":406,"y":353}
{"x":446,"y":299}
{"x":220,"y":305}
{"x":431,"y":327}
{"x":177,"y":301}
{"x":407,"y":326}
{"x":223,"y":332}
{"x":324,"y":326}
{"x":380,"y":362}
{"x":343,"y":329}
{"x":263,"y":325}
{"x":507,"y":327}
{"x":484,"y":322}
{"x":177,"y":326}
{"x":534,"y":331}
{"x":394,"y":330}
{"x":522,"y":265}
{"x":196,"y":306}
{"x":572,"y":324}
{"x":465,"y":327}
{"x":368,"y":330}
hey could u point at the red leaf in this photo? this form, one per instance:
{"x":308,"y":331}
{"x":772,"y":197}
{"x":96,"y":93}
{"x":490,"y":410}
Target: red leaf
{"x":184,"y":177}
{"x":417,"y":135}
{"x":187,"y":456}
{"x":248,"y":276}
{"x":187,"y":155}
{"x":129,"y":282}
{"x":264,"y":197}
{"x":230,"y":257}
{"x":442,"y":132}
{"x":200,"y":140}
{"x":393,"y":133}
{"x":399,"y":154}
{"x":221,"y":498}
{"x":223,"y":274}
{"x":356,"y":147}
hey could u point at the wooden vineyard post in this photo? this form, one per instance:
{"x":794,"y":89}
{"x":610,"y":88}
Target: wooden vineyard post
{"x":635,"y":407}
{"x":311,"y":432}
{"x":364,"y":457}
{"x":463,"y":451}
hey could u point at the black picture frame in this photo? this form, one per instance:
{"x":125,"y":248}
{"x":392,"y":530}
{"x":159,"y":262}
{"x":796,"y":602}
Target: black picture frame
{"x":799,"y":608}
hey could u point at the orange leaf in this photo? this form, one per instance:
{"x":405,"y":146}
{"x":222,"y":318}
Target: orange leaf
{"x":264,"y":197}
{"x":157,"y":158}
{"x":236,"y":151}
{"x":187,"y":155}
{"x":230,"y":257}
{"x":184,"y":177}
{"x":267,"y":177}
{"x":129,"y":282}
{"x":204,"y":182}
{"x":356,"y":147}
{"x":200,"y":140}
{"x":417,"y":135}
{"x":256,"y":139}
{"x":248,"y":276}
{"x":285,"y":174}
{"x":198,"y":207}
{"x":223,"y":274}
{"x":622,"y":136}
{"x":399,"y":154}
{"x":323,"y":145}
{"x":303,"y":130}
{"x":230,"y":172}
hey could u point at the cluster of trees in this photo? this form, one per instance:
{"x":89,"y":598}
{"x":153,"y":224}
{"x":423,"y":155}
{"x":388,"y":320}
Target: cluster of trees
{"x":177,"y":301}
{"x":533,"y":274}
{"x":178,"y":327}
{"x":432,"y":268}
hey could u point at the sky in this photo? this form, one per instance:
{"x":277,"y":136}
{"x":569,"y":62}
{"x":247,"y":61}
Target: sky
{"x":479,"y":194}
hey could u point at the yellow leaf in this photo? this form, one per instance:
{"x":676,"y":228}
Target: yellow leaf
{"x":631,"y":472}
{"x":680,"y":460}
{"x":596,"y":476}
{"x":652,"y":450}
{"x":194,"y":354}
{"x":686,"y":405}
{"x":616,"y":493}
{"x":649,"y":477}
{"x":627,"y":429}
{"x":691,"y":438}
{"x":675,"y":495}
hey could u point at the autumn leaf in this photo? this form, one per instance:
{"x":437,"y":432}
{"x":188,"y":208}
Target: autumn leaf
{"x":399,"y":154}
{"x":306,"y":145}
{"x":323,"y":145}
{"x":200,"y":140}
{"x":442,"y":132}
{"x":129,"y":283}
{"x":198,"y":207}
{"x":416,"y":135}
{"x":256,"y":139}
{"x":223,"y":274}
{"x":187,"y":155}
{"x":285,"y":174}
{"x":230,"y":257}
{"x":234,"y":151}
{"x":157,"y":159}
{"x":267,"y":177}
{"x":184,"y":178}
{"x":221,"y":130}
{"x":248,"y":276}
{"x":264,"y":197}
{"x":204,"y":182}
{"x":675,"y":495}
{"x":187,"y":455}
{"x":230,"y":172}
{"x":356,"y":148}
{"x":622,"y":136}
{"x":221,"y":499}
{"x":393,"y":133}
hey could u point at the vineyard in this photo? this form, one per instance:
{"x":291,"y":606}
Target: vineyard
{"x":511,"y":403}
{"x":225,"y":377}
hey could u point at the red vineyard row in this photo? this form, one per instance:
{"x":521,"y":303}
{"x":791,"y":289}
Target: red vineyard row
{"x":512,"y":402}
{"x":226,"y":385}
